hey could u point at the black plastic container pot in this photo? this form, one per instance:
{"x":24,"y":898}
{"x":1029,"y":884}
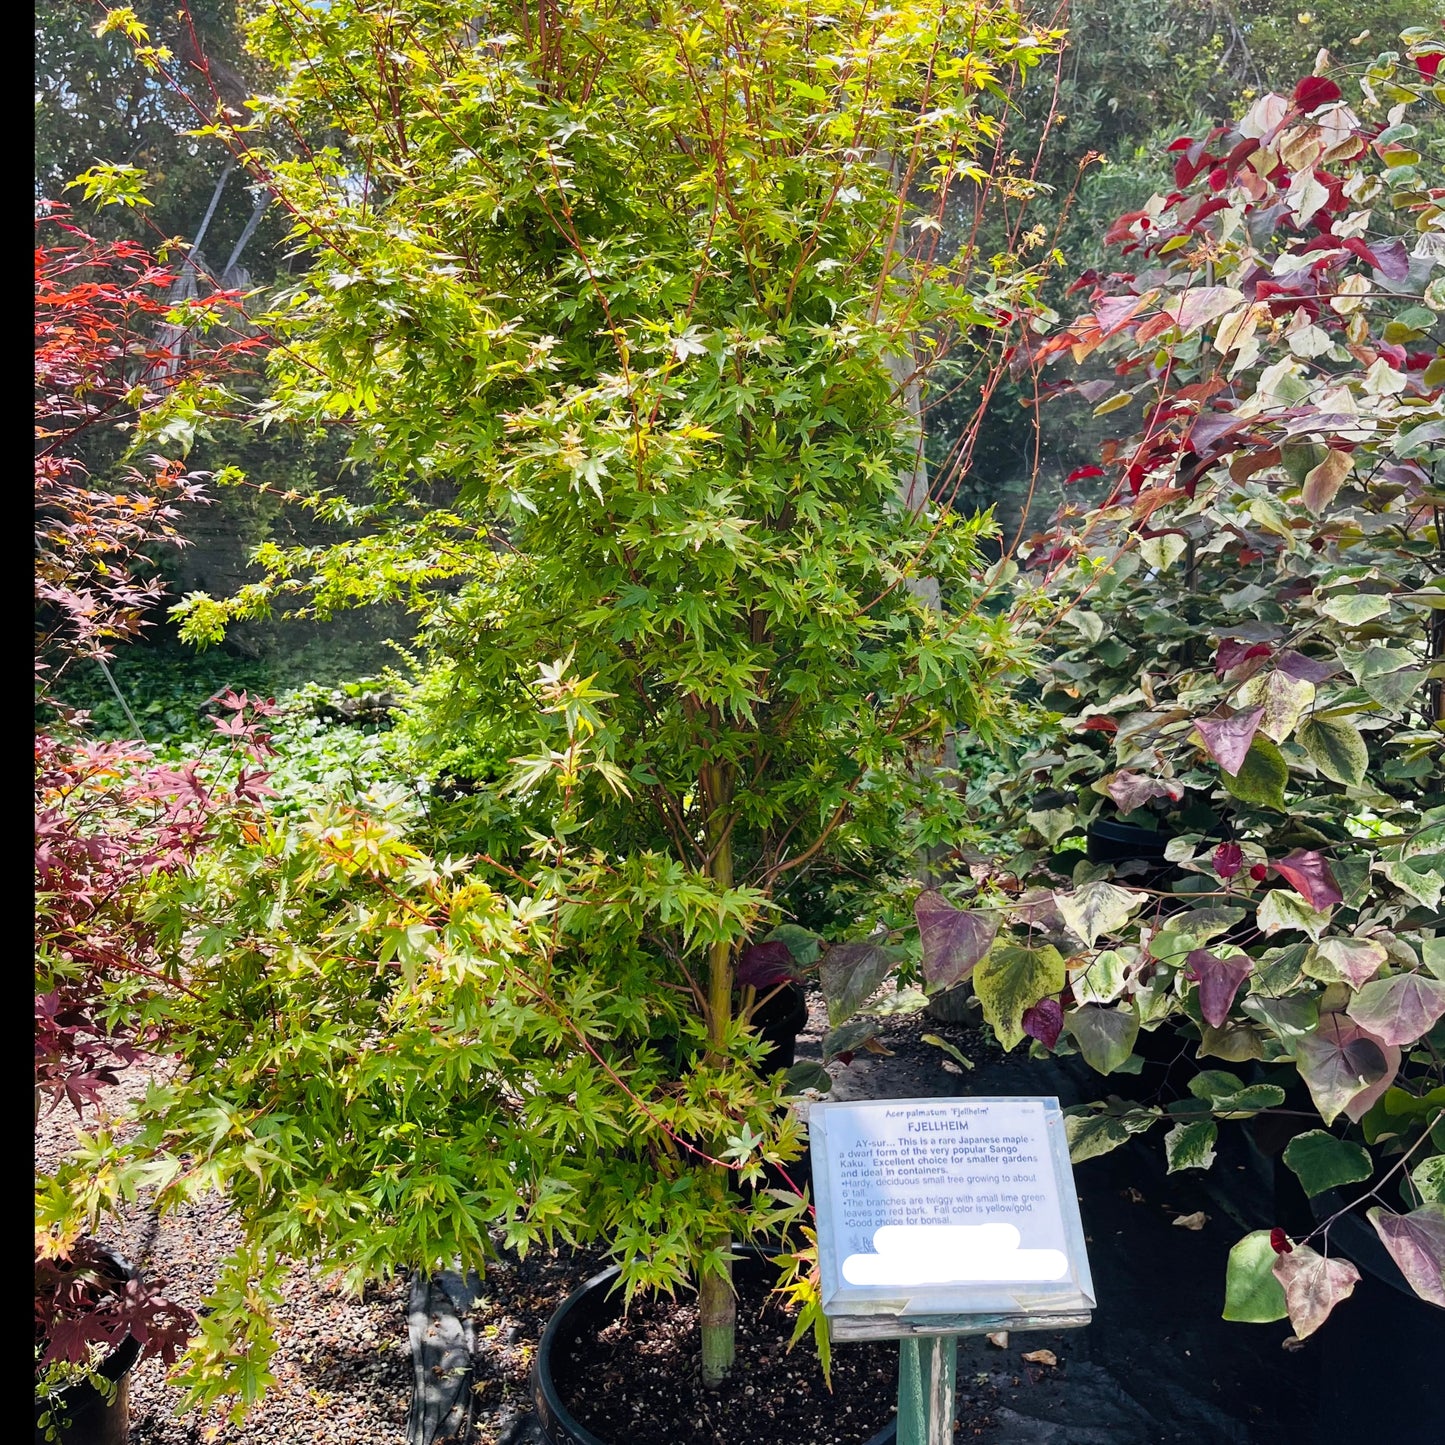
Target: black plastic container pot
{"x":589,"y":1309}
{"x":1111,"y":841}
{"x":1382,"y":1347}
{"x":91,"y":1419}
{"x":779,"y":1021}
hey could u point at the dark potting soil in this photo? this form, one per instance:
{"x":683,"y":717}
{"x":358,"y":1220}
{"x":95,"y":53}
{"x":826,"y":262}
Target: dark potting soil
{"x":639,"y":1382}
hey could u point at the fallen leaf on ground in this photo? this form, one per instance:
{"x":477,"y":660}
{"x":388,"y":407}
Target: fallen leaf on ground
{"x":874,"y":1047}
{"x":1292,"y":1344}
{"x":998,"y":1339}
{"x":1133,"y":1195}
{"x":1197,"y":1220}
{"x":949,"y":1067}
{"x":1041,"y":1357}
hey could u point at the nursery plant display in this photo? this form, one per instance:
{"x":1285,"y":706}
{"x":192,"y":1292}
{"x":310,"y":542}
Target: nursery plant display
{"x":658,"y":297}
{"x":1246,"y":657}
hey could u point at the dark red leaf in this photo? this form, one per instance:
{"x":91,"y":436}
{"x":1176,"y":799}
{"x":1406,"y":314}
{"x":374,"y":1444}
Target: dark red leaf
{"x":953,"y":939}
{"x":1044,"y":1021}
{"x":1279,"y":1242}
{"x":1314,"y":91}
{"x":1228,"y":860}
{"x":1219,"y":980}
{"x":1079,"y":473}
{"x":765,"y":965}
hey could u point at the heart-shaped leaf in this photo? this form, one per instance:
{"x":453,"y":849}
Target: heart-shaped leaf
{"x":1281,"y":909}
{"x":953,"y":939}
{"x":1098,"y":908}
{"x":1325,"y":1162}
{"x":1283,"y":697}
{"x":1337,"y":748}
{"x":1191,"y":1145}
{"x":1131,"y":790}
{"x":1104,"y":977}
{"x":1355,"y":960}
{"x":851,"y":973}
{"x":1308,"y":873}
{"x":1416,"y":1242}
{"x":1228,"y":739}
{"x":1313,"y":1286}
{"x":1105,"y":1036}
{"x":1262,"y":778}
{"x":1010,"y":980}
{"x":1310,"y":669}
{"x":808,"y":1075}
{"x":843,"y":1042}
{"x":802,"y":943}
{"x":1324,"y":481}
{"x":1219,"y":980}
{"x":765,"y":965}
{"x":1400,"y":1009}
{"x":1090,"y":1135}
{"x":1339,"y":1062}
{"x":1288,"y":1018}
{"x":1234,"y":1043}
{"x":1252,"y":1294}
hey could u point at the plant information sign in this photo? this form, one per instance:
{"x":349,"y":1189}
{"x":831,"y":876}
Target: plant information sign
{"x":949,"y":1216}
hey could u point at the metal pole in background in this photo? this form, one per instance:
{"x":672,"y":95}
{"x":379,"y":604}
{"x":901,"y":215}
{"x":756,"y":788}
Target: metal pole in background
{"x":927,"y":1367}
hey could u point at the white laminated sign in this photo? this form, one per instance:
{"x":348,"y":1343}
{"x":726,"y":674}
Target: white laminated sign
{"x":947,"y":1215}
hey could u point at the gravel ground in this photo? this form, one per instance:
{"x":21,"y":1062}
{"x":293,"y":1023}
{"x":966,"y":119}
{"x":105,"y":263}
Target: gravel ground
{"x":343,"y":1364}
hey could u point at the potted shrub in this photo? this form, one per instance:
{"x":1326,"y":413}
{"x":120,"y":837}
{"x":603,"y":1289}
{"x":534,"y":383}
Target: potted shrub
{"x":652,"y":300}
{"x":1276,"y":332}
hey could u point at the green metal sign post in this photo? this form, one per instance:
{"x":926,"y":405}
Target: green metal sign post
{"x":927,"y":1370}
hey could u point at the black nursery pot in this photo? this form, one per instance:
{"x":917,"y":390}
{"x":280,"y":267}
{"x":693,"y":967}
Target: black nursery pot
{"x":779,"y":1022}
{"x":1111,"y":841}
{"x":90,"y":1418}
{"x":589,"y":1309}
{"x":1381,"y":1349}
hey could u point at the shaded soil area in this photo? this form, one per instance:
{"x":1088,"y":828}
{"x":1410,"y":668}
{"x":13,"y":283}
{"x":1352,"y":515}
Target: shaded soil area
{"x":638,"y":1380}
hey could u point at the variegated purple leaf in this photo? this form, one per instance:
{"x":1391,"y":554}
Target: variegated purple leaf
{"x":1399,"y":1009}
{"x":1219,"y":980}
{"x":1305,"y":669}
{"x":1308,"y":873}
{"x":1339,"y":1062}
{"x":1313,"y":1286}
{"x":1416,"y":1242}
{"x":953,"y":939}
{"x":1131,"y":790}
{"x":1228,"y":738}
